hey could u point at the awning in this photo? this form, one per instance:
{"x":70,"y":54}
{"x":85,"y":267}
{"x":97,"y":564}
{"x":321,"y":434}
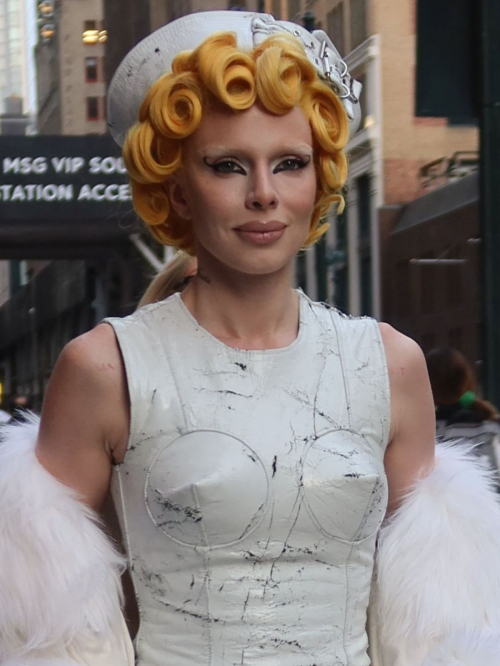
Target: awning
{"x":459,"y":194}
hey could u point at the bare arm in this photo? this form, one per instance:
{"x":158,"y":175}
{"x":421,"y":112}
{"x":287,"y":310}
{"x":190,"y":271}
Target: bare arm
{"x":410,"y":453}
{"x":85,"y":416}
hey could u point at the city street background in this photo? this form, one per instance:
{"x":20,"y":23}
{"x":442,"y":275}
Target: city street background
{"x":407,"y":250}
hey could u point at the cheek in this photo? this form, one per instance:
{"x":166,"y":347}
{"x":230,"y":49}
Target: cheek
{"x":214,"y":199}
{"x":300,"y":195}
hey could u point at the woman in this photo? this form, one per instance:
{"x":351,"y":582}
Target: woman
{"x":256,"y":437}
{"x":460,"y":412}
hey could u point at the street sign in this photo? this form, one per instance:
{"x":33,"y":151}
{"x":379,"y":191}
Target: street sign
{"x":62,"y":191}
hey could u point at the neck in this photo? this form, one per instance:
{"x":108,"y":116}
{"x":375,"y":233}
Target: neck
{"x":245,"y":311}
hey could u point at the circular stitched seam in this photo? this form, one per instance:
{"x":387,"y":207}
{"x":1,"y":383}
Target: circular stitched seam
{"x":222,"y":545}
{"x":309,"y":510}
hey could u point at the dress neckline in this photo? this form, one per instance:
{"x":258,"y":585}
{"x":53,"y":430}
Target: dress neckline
{"x":238,"y":350}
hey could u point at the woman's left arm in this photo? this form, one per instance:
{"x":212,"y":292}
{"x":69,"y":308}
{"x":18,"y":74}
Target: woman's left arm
{"x":410,"y":453}
{"x":437,"y":593}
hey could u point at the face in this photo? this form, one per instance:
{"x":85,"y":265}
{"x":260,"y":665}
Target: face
{"x":248,"y":185}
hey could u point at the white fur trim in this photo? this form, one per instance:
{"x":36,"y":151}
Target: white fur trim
{"x":59,"y":573}
{"x":439,"y":564}
{"x":477,"y":649}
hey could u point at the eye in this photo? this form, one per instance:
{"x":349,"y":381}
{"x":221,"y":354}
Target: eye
{"x":292,"y":164}
{"x":225,"y":166}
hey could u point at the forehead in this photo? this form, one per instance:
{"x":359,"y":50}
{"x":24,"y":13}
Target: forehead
{"x":253,"y":129}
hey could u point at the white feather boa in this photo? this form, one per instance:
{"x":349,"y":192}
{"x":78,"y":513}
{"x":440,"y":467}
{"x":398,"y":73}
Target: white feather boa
{"x":60,"y":590}
{"x":437,"y":595}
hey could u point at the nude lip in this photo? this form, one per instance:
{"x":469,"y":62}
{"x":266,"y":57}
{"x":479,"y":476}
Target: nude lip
{"x":261,"y":227}
{"x":261,"y":237}
{"x":261,"y":233}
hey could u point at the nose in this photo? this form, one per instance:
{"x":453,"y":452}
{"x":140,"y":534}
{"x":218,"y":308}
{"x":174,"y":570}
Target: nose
{"x":262,"y":194}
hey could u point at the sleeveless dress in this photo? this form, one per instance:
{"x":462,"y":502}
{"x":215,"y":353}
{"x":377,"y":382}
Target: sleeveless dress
{"x":252,"y":489}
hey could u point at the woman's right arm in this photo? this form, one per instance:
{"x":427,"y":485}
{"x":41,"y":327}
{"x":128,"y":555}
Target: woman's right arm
{"x":56,"y":562}
{"x":85,"y":416}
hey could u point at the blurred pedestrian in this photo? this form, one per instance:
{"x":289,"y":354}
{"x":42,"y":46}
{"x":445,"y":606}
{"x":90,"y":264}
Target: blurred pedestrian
{"x":460,"y":412}
{"x":21,"y":404}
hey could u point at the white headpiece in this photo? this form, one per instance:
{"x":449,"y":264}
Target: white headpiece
{"x":152,"y":58}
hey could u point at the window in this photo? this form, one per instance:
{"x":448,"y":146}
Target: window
{"x":94,"y":32}
{"x":335,"y":27}
{"x":359,"y":22}
{"x":91,"y":72}
{"x":92,"y":108}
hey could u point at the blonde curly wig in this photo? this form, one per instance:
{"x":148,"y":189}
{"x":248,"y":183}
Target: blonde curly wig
{"x":278,"y":75}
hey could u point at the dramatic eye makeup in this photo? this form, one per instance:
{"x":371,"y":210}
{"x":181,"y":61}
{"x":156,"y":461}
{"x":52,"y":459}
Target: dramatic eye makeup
{"x":292,"y":164}
{"x":227,"y":165}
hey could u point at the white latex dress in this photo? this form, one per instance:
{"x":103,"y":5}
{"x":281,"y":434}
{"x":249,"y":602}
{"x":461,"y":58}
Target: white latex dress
{"x":253,"y":489}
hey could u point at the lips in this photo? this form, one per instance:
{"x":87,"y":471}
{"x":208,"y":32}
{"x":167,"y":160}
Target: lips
{"x":261,"y":227}
{"x":261,"y":233}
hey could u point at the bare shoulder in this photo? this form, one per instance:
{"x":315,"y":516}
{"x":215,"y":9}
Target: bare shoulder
{"x":406,"y":366}
{"x":96,"y":353}
{"x":90,"y":373}
{"x":402,"y":353}
{"x":85,"y":417}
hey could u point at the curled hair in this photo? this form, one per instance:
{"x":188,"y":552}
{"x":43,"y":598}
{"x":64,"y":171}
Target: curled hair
{"x":279,"y":75}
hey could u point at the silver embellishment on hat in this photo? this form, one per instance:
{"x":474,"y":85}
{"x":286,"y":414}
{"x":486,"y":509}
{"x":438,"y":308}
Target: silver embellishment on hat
{"x":331,"y":63}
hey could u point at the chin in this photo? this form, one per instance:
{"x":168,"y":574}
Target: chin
{"x":261,"y":263}
{"x":254,"y":261}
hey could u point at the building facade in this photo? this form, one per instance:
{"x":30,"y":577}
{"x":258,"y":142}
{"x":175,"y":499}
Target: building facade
{"x":49,"y":298}
{"x":70,"y":67}
{"x":17,"y":41}
{"x":432,"y":267}
{"x":377,"y":39}
{"x":145,"y":17}
{"x":82,"y":42}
